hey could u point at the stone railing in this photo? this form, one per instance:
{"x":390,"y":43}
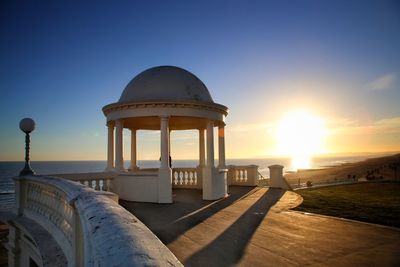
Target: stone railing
{"x":100,"y":181}
{"x":243,"y":175}
{"x":89,"y":226}
{"x":237,"y":175}
{"x":186,"y":177}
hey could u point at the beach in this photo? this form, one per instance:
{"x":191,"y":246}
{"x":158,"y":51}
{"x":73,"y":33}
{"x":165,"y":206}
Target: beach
{"x":380,"y":168}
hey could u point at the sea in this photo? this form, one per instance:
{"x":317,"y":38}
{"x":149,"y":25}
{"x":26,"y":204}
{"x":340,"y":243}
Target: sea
{"x":8,"y":170}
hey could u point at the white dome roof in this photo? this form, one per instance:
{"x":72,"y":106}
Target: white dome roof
{"x":167,"y":83}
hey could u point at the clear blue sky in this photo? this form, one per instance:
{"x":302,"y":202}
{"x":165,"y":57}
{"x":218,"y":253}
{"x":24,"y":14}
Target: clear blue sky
{"x":62,"y":61}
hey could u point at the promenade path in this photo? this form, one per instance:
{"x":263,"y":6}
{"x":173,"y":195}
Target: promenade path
{"x":254,"y":227}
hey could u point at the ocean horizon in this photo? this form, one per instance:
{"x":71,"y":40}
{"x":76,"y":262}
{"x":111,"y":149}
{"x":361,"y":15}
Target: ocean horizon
{"x":9,"y":169}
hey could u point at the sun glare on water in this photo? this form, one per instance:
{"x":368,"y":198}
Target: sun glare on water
{"x":300,"y":135}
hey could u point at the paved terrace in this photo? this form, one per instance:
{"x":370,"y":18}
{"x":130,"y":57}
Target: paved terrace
{"x":254,"y":227}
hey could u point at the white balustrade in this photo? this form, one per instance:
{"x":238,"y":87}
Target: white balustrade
{"x":50,"y":204}
{"x":243,"y":175}
{"x":81,"y":220}
{"x":185,"y":177}
{"x":101,"y":181}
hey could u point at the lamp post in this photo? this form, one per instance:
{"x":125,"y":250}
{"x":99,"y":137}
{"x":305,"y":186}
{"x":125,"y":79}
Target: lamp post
{"x":27,"y":125}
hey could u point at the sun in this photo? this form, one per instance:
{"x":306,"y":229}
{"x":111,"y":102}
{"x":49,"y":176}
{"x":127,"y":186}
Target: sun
{"x":300,"y":135}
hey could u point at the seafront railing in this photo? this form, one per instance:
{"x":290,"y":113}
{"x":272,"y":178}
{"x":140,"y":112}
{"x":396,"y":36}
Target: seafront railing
{"x":100,"y":181}
{"x":243,"y":175}
{"x":85,"y":224}
{"x":246,"y":175}
{"x":190,"y":178}
{"x":186,"y":177}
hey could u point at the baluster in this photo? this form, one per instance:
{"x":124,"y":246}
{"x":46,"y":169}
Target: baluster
{"x":34,"y":198}
{"x":180,"y":178}
{"x":101,"y":184}
{"x":97,"y":185}
{"x":42,"y":200}
{"x":69,"y":217}
{"x":38,"y":199}
{"x":59,"y":203}
{"x":191,"y":178}
{"x":46,"y":203}
{"x":63,"y":212}
{"x":195,"y":178}
{"x":29,"y":202}
{"x":50,"y":203}
{"x":175,"y":177}
{"x":93,"y":184}
{"x":105,"y":185}
{"x":53,"y":204}
{"x":186,"y":178}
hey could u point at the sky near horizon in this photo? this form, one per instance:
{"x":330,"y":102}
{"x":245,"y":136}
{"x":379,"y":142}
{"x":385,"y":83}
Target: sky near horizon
{"x":62,"y":61}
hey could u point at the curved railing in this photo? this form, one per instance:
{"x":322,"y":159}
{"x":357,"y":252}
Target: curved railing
{"x":89,"y":226}
{"x":100,"y":181}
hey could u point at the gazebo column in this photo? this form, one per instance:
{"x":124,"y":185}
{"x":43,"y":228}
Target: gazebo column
{"x":110,"y":146}
{"x":209,"y":169}
{"x":210,"y":144}
{"x":133,"y":151}
{"x":202,"y":149}
{"x":165,"y":172}
{"x":214,"y":181}
{"x":119,"y":146}
{"x":202,"y":159}
{"x":221,"y":147}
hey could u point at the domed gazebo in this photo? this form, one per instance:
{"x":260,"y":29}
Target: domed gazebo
{"x":166,"y":98}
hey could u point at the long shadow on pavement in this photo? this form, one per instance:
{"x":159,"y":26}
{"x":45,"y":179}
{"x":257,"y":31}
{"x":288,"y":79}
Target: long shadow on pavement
{"x":228,"y":248}
{"x":169,"y":221}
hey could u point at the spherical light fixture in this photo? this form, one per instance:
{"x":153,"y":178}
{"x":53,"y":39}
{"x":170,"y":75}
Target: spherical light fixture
{"x":27,"y":125}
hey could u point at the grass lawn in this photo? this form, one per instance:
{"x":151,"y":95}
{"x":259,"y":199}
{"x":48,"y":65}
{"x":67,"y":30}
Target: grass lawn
{"x":368,"y":202}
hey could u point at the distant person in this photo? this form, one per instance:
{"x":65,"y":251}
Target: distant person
{"x":170,"y":161}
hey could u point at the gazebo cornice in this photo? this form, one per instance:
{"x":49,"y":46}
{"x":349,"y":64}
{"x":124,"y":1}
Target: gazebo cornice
{"x":166,"y":104}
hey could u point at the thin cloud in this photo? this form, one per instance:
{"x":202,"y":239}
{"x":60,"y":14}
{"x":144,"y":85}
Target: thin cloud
{"x":383,"y":126}
{"x":383,"y":82}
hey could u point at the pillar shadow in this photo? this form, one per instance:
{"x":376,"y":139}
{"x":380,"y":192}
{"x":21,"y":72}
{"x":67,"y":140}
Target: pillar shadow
{"x":169,"y":221}
{"x":228,"y":248}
